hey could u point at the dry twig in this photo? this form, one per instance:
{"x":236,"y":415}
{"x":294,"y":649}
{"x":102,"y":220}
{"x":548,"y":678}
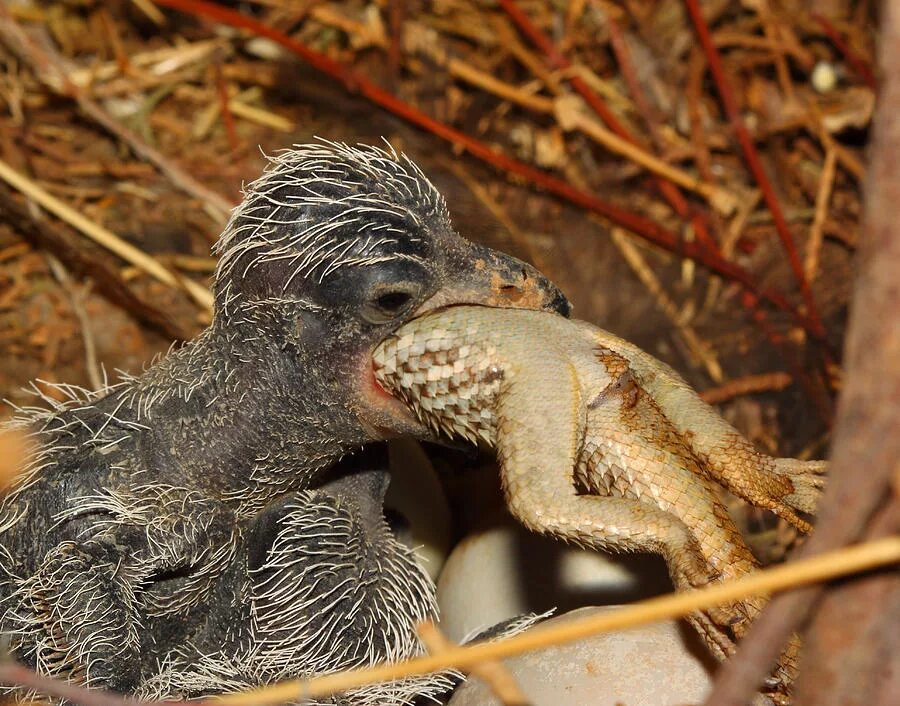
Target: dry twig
{"x":764,"y":382}
{"x":842,"y":562}
{"x":104,"y":237}
{"x":753,"y":160}
{"x":640,"y":225}
{"x":48,"y":69}
{"x":814,"y":244}
{"x":493,"y":673}
{"x":698,"y":347}
{"x":856,"y":504}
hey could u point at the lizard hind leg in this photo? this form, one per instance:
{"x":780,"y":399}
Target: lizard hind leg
{"x":538,"y":451}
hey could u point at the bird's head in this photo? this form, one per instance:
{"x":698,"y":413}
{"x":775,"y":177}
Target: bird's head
{"x":334,"y":248}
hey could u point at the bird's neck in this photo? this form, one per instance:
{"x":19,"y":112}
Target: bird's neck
{"x":243,"y":416}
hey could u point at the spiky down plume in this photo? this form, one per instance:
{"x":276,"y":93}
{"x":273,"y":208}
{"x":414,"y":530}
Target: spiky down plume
{"x":318,"y":208}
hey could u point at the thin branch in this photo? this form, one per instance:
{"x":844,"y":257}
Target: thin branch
{"x":48,"y":69}
{"x":494,"y":673}
{"x":559,"y":61}
{"x":824,"y":567}
{"x":764,"y":382}
{"x":842,"y":562}
{"x":14,"y":674}
{"x":859,"y":500}
{"x":86,"y":261}
{"x":570,"y":116}
{"x":814,"y":242}
{"x":104,"y":237}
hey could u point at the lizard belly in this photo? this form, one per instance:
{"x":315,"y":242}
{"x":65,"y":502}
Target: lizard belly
{"x":619,"y":466}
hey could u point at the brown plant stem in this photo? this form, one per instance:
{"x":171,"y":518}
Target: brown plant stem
{"x":669,"y":190}
{"x":48,"y":70}
{"x":855,"y":627}
{"x":87,"y":260}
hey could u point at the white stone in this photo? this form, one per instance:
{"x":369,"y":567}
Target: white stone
{"x":653,"y":665}
{"x":824,"y":77}
{"x":505,"y":571}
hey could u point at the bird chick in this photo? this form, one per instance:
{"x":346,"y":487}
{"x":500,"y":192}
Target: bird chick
{"x":140,"y":497}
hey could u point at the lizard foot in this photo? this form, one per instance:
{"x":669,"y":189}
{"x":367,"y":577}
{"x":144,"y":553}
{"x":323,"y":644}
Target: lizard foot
{"x":718,"y":624}
{"x":808,"y":479}
{"x":717,"y":640}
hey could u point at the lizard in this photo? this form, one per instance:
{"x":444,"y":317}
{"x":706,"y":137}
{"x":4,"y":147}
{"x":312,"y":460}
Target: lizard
{"x":600,"y":444}
{"x":139,"y":496}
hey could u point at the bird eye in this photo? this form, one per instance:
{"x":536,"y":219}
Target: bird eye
{"x":387,"y":305}
{"x":393,"y":301}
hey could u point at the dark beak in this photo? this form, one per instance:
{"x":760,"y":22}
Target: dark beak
{"x":479,"y":275}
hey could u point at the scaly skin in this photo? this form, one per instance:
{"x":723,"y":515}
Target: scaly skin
{"x":599,"y":444}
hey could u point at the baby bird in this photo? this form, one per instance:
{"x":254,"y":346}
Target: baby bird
{"x":141,"y":495}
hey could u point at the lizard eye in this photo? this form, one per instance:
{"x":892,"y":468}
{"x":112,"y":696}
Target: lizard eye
{"x":387,"y":305}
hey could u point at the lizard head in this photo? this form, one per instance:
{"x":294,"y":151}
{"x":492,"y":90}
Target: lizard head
{"x":332,"y":250}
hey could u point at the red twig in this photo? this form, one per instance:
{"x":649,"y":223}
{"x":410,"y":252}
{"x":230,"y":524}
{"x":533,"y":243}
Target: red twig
{"x":754,"y":162}
{"x":820,"y":401}
{"x":860,"y":65}
{"x":670,"y":191}
{"x":13,"y":674}
{"x":643,"y":227}
{"x":227,"y":117}
{"x":559,"y":61}
{"x":396,"y":18}
{"x":749,"y":301}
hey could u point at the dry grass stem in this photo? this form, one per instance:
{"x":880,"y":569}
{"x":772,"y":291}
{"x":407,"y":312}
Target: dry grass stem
{"x":100,"y":235}
{"x":698,"y":347}
{"x":841,"y":562}
{"x":77,"y":296}
{"x":571,"y":116}
{"x":48,"y":67}
{"x":495,"y":674}
{"x":814,"y":244}
{"x":764,"y":382}
{"x":151,"y":10}
{"x":261,"y":116}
